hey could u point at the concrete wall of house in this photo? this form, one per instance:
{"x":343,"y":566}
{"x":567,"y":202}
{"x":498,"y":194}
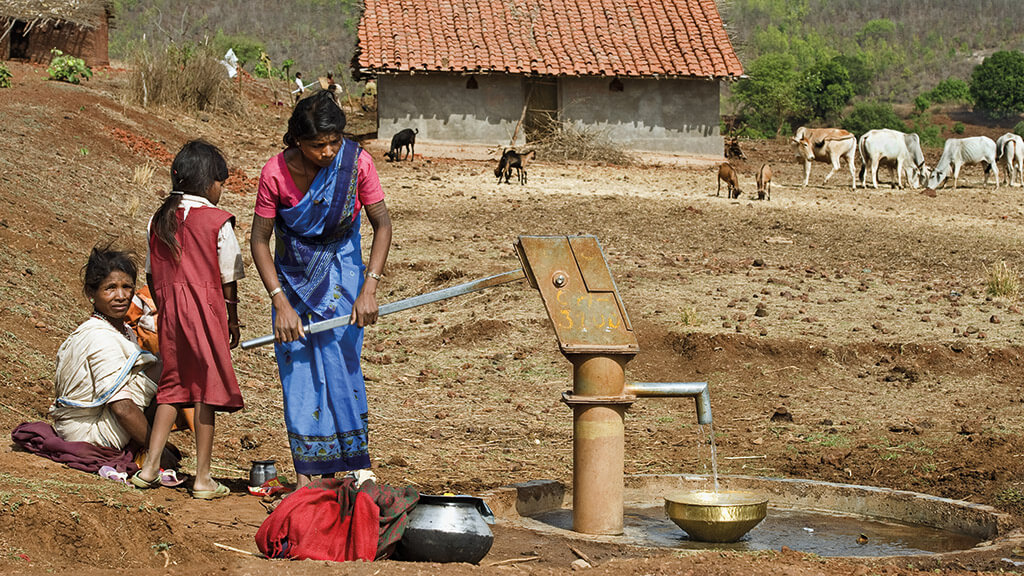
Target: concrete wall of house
{"x":678,"y":116}
{"x":444,"y":109}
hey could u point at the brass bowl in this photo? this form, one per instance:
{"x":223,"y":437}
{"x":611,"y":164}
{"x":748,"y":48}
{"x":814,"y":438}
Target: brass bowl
{"x":723,"y":516}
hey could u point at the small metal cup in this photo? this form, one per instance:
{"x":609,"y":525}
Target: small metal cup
{"x":270,"y":471}
{"x":261,"y":471}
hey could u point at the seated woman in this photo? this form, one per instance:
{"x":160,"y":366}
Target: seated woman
{"x":104,"y":381}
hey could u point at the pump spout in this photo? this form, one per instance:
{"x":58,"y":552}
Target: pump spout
{"x":698,"y":390}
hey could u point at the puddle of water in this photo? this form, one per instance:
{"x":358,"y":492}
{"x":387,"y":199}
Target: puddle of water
{"x":824,"y":534}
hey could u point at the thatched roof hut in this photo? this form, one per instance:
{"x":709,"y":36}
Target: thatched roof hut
{"x":29,"y":29}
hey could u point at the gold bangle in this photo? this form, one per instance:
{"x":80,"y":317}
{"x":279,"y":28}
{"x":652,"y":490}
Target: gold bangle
{"x":275,"y":292}
{"x":375,"y":276}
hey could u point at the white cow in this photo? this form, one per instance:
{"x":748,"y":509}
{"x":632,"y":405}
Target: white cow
{"x":892,"y":146}
{"x":1010,"y":147}
{"x":960,"y":151}
{"x":825,"y":145}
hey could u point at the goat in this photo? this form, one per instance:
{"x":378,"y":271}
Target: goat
{"x":510,"y":159}
{"x":764,"y":183}
{"x":403,"y":139}
{"x":728,"y":174}
{"x":732,"y":149}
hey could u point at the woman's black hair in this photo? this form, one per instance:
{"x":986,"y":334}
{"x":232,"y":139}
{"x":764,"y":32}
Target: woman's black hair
{"x":197,"y":166}
{"x":314,"y":116}
{"x":102,"y":261}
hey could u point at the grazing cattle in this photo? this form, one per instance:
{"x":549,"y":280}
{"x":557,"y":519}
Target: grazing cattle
{"x":728,"y":174}
{"x":960,"y":151}
{"x":904,"y":149}
{"x":1010,"y":147}
{"x":512,"y":160}
{"x":825,"y":145}
{"x":403,"y":139}
{"x":764,"y":182}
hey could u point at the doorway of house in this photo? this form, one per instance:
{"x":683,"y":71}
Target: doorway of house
{"x":19,"y":41}
{"x":541,"y":107}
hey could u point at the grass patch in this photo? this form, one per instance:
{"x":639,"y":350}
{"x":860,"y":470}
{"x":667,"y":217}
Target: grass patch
{"x":828,"y":440}
{"x":690,"y":316}
{"x":1002,"y":281}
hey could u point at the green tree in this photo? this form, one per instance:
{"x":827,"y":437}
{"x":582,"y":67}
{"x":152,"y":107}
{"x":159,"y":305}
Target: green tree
{"x":881,"y":29}
{"x":871,"y":115}
{"x":768,"y":95}
{"x":246,"y":49}
{"x":950,"y":90}
{"x":824,"y":89}
{"x":859,"y":69}
{"x":997,"y":84}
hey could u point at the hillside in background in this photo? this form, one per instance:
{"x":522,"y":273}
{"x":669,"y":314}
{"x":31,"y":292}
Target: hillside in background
{"x":319,"y":35}
{"x":906,"y":47}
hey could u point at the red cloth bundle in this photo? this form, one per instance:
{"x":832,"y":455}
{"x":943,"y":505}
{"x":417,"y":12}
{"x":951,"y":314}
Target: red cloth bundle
{"x":333,"y":520}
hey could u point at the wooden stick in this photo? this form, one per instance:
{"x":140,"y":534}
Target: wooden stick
{"x":225,"y":469}
{"x":240,"y":551}
{"x":514,"y":561}
{"x":579,"y":554}
{"x":743,"y":457}
{"x":18,"y":412}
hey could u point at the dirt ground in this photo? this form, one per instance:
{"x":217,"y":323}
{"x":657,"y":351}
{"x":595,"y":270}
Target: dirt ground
{"x":861,"y":313}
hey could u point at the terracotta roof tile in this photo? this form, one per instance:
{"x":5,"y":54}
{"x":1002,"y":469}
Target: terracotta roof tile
{"x":550,"y":37}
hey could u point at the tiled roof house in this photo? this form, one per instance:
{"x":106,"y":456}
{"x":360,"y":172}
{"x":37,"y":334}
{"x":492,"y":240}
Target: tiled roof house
{"x":29,"y":29}
{"x":491,"y":71}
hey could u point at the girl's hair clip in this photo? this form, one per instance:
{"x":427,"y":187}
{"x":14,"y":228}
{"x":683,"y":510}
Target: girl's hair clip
{"x":178,"y":192}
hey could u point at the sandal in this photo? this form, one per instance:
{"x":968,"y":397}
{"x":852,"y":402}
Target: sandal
{"x":142,"y":484}
{"x":219,"y":492}
{"x":109,"y":473}
{"x":169,"y":479}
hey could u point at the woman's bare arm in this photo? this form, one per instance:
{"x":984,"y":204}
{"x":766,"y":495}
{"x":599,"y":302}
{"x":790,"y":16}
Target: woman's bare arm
{"x":366,"y":308}
{"x":287,"y":324}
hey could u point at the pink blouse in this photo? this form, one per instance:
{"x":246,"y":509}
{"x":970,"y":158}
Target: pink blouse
{"x":278,"y":189}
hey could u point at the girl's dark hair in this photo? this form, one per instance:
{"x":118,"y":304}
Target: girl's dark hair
{"x":195,"y":169}
{"x":319,"y":114}
{"x":102,"y":261}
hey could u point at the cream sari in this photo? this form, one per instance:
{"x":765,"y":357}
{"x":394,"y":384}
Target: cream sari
{"x":95,"y":366}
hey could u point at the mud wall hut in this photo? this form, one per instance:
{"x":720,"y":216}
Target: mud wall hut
{"x":30,"y":29}
{"x":494,"y":72}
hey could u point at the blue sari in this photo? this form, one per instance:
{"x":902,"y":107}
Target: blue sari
{"x":319,"y":261}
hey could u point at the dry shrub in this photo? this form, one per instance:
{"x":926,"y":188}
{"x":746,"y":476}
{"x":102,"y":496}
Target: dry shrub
{"x":143,"y":175}
{"x":1002,"y":281}
{"x":186,"y":77}
{"x":562,"y":140}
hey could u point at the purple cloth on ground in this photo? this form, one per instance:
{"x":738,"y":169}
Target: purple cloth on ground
{"x":41,"y":439}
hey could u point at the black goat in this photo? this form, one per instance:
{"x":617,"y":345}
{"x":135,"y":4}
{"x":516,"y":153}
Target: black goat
{"x":403,"y":139}
{"x":512,"y":160}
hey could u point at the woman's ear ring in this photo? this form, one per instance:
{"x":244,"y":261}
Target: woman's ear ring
{"x":92,"y":300}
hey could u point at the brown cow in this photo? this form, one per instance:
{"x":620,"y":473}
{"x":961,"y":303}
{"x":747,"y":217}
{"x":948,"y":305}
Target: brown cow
{"x":825,"y":145}
{"x":728,"y":174}
{"x":764,"y":182}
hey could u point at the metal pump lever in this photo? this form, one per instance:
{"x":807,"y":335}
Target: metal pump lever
{"x":398,"y":306}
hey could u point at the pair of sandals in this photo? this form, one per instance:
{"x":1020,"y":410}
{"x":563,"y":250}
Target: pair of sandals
{"x":169,"y":479}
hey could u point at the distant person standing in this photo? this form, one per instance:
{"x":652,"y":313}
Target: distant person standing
{"x":369,"y":90}
{"x":333,"y":88}
{"x":300,"y":87}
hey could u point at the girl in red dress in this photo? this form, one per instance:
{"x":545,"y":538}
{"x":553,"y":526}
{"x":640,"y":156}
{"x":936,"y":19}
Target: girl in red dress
{"x":193,"y":267}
